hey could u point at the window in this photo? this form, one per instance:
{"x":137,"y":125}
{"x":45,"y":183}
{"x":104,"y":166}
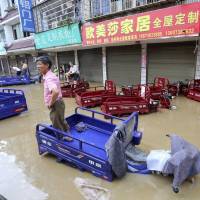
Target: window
{"x":2,"y":36}
{"x":12,"y":2}
{"x":26,"y":34}
{"x":17,"y":33}
{"x":48,"y":14}
{"x":116,"y":5}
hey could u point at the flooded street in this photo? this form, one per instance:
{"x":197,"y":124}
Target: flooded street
{"x":43,"y":178}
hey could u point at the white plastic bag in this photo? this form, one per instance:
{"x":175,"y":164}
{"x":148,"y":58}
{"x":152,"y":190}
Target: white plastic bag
{"x":157,"y":159}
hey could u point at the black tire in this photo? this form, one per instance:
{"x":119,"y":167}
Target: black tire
{"x":175,"y":189}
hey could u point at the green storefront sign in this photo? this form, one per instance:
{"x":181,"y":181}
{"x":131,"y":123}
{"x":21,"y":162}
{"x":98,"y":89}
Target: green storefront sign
{"x":66,"y":35}
{"x":2,"y":49}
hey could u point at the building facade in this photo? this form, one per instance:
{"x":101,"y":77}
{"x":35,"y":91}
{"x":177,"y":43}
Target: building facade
{"x":146,"y":55}
{"x":58,"y":23}
{"x":128,"y":41}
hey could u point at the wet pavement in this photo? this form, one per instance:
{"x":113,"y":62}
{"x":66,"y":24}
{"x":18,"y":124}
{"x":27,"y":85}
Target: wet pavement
{"x":42,"y":178}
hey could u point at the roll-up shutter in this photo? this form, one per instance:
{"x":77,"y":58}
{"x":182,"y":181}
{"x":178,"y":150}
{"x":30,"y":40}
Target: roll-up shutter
{"x":90,"y":62}
{"x":65,"y":57}
{"x":175,"y":61}
{"x":123,"y":64}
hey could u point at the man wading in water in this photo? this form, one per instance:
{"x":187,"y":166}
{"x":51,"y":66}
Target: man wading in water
{"x":52,"y":95}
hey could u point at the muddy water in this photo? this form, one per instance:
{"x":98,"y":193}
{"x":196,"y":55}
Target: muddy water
{"x":57,"y":180}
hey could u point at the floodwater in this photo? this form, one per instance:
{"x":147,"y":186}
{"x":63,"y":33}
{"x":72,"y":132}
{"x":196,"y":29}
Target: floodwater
{"x":26,"y":175}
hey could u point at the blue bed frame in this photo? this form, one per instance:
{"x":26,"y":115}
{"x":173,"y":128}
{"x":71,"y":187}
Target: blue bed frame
{"x":12,"y":102}
{"x":15,"y":80}
{"x":87,"y":150}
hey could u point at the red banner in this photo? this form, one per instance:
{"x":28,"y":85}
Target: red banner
{"x":174,"y":21}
